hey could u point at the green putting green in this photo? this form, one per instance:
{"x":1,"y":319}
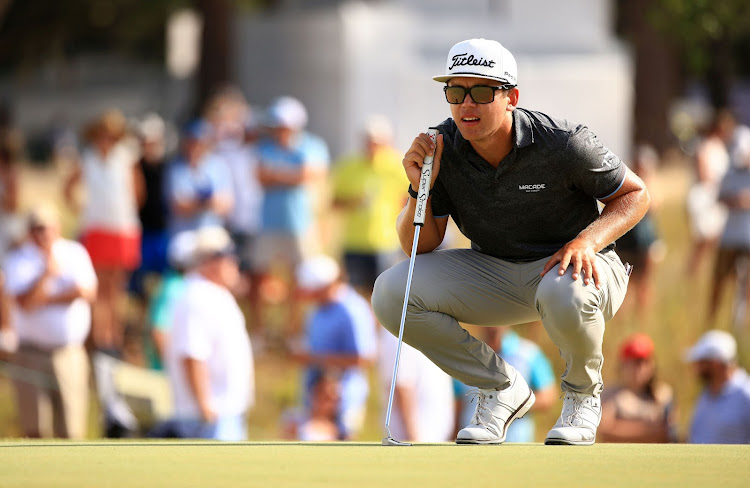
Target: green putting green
{"x":184,"y":464}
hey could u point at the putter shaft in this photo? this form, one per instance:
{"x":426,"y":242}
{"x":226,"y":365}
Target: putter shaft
{"x":401,"y":330}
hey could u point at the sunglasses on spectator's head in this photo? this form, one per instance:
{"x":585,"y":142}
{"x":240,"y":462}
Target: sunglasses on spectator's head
{"x":479,"y":93}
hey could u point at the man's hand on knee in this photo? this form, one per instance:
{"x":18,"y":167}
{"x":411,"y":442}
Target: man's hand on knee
{"x":581,"y":255}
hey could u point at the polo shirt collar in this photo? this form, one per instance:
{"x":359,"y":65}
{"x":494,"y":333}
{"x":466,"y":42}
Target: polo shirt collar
{"x":523,"y":130}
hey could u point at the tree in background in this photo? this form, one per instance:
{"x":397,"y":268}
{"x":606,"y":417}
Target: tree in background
{"x":713,"y":39}
{"x":37,"y":33}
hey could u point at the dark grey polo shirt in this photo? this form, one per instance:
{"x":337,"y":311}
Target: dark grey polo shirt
{"x":541,"y":196}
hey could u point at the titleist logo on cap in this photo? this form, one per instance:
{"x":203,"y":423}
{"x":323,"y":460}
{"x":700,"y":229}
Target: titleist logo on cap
{"x":464,"y":60}
{"x":480,"y":58}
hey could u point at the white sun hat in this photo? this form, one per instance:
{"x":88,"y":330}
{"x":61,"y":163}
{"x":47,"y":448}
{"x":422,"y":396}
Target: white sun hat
{"x":286,"y":112}
{"x":480,"y":58}
{"x":181,"y":249}
{"x":317,"y":272}
{"x":716,"y":345}
{"x":212,"y":242}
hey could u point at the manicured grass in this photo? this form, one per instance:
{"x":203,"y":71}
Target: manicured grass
{"x":185,"y":464}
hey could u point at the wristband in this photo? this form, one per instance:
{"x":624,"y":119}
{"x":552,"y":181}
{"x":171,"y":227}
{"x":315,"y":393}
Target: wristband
{"x":414,"y":194}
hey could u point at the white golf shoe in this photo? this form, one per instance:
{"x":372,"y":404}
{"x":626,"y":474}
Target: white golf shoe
{"x":578,"y":421}
{"x":496,"y":410}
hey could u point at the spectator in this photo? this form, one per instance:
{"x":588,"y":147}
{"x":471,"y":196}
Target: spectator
{"x":340,"y":336}
{"x":12,"y":229}
{"x":209,"y":359}
{"x":734,"y":244}
{"x":640,"y":409}
{"x":199,"y":184}
{"x":290,"y":161}
{"x":153,"y":212}
{"x":641,"y":246}
{"x":168,"y":292}
{"x":423,"y":408}
{"x":722,"y":414}
{"x":534,"y":367}
{"x":321,"y":422}
{"x":11,"y":223}
{"x":52,"y":283}
{"x":368,"y":189}
{"x":229,"y":114}
{"x":8,"y":336}
{"x":110,"y":229}
{"x":135,"y":400}
{"x":706,"y":214}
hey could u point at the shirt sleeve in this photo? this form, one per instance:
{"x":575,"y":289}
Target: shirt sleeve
{"x":594,"y":169}
{"x":20,"y":274}
{"x":178,"y":186}
{"x":161,"y":309}
{"x":190,"y":333}
{"x":315,"y":153}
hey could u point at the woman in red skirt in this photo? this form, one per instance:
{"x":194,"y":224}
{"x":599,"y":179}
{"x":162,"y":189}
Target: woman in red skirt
{"x":110,"y":229}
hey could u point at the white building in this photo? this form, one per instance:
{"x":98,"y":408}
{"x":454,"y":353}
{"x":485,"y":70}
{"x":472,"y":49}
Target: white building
{"x":350,"y":59}
{"x":347,"y":59}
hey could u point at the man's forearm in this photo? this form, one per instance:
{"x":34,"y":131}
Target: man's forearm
{"x":430,"y":236}
{"x":196,"y":374}
{"x":280,"y":177}
{"x":618,"y":217}
{"x":72,"y":293}
{"x":35,"y":295}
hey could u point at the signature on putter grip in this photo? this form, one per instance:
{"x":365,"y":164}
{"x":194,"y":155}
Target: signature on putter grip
{"x":423,"y":191}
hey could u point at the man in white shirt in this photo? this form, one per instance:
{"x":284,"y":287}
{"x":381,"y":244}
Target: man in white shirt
{"x":209,"y":358}
{"x":52,"y":283}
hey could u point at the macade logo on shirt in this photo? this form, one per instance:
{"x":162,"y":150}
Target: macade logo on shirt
{"x":532,"y":188}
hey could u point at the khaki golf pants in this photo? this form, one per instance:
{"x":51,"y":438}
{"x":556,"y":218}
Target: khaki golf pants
{"x":463,"y":285}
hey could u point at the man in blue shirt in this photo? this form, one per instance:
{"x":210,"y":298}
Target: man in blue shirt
{"x":290,"y":162}
{"x":339,"y":336}
{"x":199,"y":185}
{"x":722,"y":414}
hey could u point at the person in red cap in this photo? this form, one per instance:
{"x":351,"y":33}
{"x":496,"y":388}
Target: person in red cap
{"x":640,"y":409}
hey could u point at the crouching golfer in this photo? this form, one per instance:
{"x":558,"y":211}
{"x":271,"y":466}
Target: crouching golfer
{"x":523,"y":187}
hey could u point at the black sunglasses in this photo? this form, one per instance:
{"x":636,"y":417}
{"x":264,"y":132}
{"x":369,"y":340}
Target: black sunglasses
{"x":479,"y":93}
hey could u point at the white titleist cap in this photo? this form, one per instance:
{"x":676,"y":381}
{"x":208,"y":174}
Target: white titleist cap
{"x":480,"y":58}
{"x":714,"y":345}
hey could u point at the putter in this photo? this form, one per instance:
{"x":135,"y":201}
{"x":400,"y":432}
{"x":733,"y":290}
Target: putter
{"x":419,"y":216}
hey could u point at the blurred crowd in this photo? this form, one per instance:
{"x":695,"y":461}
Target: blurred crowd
{"x":190,"y":261}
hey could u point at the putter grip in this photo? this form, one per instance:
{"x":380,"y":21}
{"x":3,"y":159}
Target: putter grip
{"x":424,"y":182}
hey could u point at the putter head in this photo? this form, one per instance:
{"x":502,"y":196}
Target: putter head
{"x":390,"y":441}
